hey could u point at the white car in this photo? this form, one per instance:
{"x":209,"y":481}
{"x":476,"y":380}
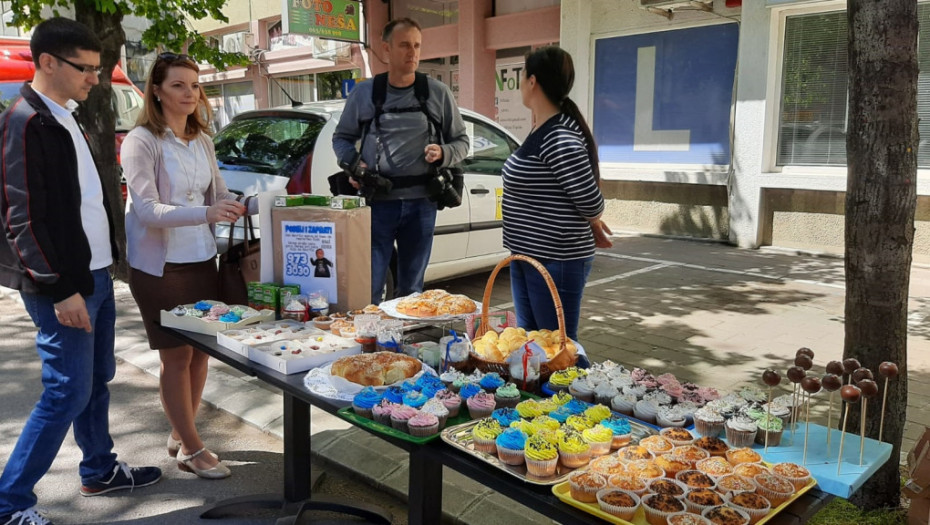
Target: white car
{"x":291,"y":148}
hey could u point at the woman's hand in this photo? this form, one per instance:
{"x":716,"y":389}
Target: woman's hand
{"x":225,"y":211}
{"x":601,"y":234}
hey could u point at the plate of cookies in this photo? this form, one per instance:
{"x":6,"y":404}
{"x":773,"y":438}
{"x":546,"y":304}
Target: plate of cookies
{"x":431,"y":305}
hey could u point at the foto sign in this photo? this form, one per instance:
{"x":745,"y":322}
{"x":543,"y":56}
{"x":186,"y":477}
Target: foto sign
{"x":331,"y":19}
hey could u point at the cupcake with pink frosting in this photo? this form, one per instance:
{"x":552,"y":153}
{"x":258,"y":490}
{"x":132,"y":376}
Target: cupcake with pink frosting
{"x":481,"y":405}
{"x":451,"y":400}
{"x":423,"y":424}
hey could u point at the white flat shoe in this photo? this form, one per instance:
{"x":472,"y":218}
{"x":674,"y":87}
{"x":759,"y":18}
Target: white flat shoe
{"x":186,"y":463}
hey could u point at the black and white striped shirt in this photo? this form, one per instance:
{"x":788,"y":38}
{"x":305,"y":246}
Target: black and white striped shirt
{"x":550,"y":193}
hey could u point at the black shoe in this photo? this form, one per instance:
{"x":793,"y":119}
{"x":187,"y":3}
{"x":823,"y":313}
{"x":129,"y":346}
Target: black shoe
{"x":123,"y":478}
{"x":29,"y":516}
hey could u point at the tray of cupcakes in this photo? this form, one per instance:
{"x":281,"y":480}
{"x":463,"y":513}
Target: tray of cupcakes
{"x":674,"y":478}
{"x":543,"y":441}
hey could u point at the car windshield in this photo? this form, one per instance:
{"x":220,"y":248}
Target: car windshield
{"x":272,"y":144}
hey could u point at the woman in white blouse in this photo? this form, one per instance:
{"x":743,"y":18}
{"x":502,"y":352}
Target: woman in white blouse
{"x":176,"y":195}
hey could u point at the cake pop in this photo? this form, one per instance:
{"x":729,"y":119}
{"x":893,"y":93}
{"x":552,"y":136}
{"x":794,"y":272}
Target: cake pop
{"x":888,"y":370}
{"x":804,"y":361}
{"x":771,"y":378}
{"x":868,"y":388}
{"x":861,"y":373}
{"x":831,"y":383}
{"x":835,"y":368}
{"x":850,"y":394}
{"x":805,"y":351}
{"x":849,"y":366}
{"x":811,"y":385}
{"x":795,"y":375}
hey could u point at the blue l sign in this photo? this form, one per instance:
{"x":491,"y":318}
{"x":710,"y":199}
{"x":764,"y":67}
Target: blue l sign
{"x":666,"y":97}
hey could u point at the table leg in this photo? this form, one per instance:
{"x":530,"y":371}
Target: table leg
{"x":296,"y":449}
{"x":425,"y":489}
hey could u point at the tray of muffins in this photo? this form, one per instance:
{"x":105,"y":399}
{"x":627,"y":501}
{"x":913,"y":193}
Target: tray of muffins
{"x":543,"y":441}
{"x":702,"y":482}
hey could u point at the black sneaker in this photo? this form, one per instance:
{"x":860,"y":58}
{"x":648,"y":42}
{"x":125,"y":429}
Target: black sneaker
{"x":29,"y":516}
{"x":123,"y":478}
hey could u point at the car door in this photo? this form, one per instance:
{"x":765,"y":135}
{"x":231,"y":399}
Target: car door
{"x":490,"y":148}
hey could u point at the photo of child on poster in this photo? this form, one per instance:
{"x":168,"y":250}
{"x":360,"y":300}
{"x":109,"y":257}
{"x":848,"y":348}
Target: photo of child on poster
{"x":309,"y":254}
{"x":321,"y":264}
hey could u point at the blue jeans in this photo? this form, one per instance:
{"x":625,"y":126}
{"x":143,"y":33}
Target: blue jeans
{"x":410,"y":223}
{"x":76,"y":367}
{"x":532,"y":301}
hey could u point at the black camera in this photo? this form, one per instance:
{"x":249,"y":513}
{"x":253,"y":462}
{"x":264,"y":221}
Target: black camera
{"x":445,"y":187}
{"x":371,"y":183}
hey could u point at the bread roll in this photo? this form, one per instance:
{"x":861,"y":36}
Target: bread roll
{"x":376,"y":369}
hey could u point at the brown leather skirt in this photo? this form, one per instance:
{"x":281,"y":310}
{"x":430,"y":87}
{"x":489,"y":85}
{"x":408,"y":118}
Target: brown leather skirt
{"x":184,"y":283}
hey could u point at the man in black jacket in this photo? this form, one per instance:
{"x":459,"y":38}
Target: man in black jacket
{"x":57,"y":249}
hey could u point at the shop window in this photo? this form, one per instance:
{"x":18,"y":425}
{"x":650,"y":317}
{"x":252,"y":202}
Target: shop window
{"x":813,"y":116}
{"x":228,"y":100}
{"x":301,"y":88}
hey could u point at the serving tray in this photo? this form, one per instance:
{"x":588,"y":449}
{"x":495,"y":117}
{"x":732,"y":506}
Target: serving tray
{"x":563,"y":492}
{"x":459,"y":436}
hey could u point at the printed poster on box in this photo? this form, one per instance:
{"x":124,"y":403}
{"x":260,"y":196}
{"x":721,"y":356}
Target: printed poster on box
{"x":309,"y":256}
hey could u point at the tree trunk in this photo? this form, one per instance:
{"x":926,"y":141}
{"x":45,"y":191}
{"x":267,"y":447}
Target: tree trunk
{"x":98,"y":119}
{"x":881,"y":149}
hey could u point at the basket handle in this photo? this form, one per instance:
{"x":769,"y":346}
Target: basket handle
{"x":483,"y":326}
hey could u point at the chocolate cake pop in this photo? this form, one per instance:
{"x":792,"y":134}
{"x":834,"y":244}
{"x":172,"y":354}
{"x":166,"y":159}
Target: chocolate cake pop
{"x":850,"y":394}
{"x":835,"y":368}
{"x":868,"y":389}
{"x":804,"y":361}
{"x":805,"y":351}
{"x":861,"y":373}
{"x":850,"y":365}
{"x":831,"y":383}
{"x":771,"y":377}
{"x":796,"y":374}
{"x":811,"y":385}
{"x":888,"y":370}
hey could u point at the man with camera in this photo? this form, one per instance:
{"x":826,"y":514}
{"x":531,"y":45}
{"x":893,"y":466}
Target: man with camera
{"x":411,"y":135}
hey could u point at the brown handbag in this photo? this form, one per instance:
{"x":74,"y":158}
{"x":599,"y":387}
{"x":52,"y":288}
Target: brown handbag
{"x":240,"y":264}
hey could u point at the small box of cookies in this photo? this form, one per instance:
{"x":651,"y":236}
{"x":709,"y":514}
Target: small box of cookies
{"x":239,"y":340}
{"x":299,"y":354}
{"x":210,"y":317}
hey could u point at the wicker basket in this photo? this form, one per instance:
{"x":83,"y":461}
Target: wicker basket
{"x":563,"y":358}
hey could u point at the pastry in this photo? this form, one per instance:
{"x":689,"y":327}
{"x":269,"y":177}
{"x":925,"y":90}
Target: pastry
{"x":796,"y":474}
{"x":666,"y":486}
{"x":743,"y":455}
{"x":376,"y":369}
{"x":645,"y":469}
{"x":700,"y":499}
{"x":659,"y":507}
{"x":695,"y":479}
{"x":773,"y":487}
{"x":714,"y":445}
{"x":733,"y":483}
{"x":584,"y":485}
{"x":752,"y":504}
{"x":723,"y":515}
{"x":617,"y":502}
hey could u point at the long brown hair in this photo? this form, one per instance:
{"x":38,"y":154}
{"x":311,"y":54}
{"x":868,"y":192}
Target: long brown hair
{"x":151,"y":116}
{"x":555,"y":73}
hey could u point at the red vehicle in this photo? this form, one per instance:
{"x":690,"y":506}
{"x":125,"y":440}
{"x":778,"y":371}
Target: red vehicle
{"x":16,"y":67}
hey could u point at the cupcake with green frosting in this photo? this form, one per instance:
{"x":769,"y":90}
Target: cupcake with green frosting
{"x":574,"y":451}
{"x":484,"y":434}
{"x":541,"y":457}
{"x":771,"y":425}
{"x":600,"y":438}
{"x":507,"y":396}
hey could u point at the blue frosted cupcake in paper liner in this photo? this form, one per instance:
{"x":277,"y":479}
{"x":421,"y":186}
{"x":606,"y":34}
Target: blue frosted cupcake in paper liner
{"x":505,"y":416}
{"x":491,"y":382}
{"x":561,"y":414}
{"x":510,"y":446}
{"x":364,"y":401}
{"x":415,"y":399}
{"x":469,"y":389}
{"x":395,"y":394}
{"x":621,"y":429}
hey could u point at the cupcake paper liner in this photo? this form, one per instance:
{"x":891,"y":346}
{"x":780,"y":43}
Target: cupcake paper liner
{"x":624,"y":513}
{"x":510,"y":456}
{"x":541,"y":468}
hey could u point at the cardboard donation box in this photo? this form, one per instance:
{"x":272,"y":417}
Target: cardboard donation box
{"x":325,"y":250}
{"x":917,"y":485}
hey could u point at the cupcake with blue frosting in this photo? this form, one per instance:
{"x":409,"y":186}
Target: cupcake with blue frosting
{"x":365,"y":401}
{"x":510,"y":445}
{"x":491,"y":382}
{"x":415,"y":399}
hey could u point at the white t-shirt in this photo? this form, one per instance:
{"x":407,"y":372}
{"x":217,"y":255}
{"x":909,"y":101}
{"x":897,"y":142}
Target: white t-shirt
{"x":189,"y":169}
{"x":93,"y":213}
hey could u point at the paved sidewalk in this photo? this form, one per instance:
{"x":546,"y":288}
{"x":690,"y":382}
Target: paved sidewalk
{"x":710,"y":313}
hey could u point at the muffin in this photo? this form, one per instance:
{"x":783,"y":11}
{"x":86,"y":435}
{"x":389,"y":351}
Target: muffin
{"x":796,"y":474}
{"x":621,"y":430}
{"x":695,"y":479}
{"x":741,"y":431}
{"x":677,"y":436}
{"x":667,"y":486}
{"x":773,"y":487}
{"x":713,"y":445}
{"x":687,"y":519}
{"x":628,"y":483}
{"x":400,"y":415}
{"x":749,"y":470}
{"x":365,"y":401}
{"x":708,"y":422}
{"x":617,"y":502}
{"x":541,"y":456}
{"x":742,"y":455}
{"x":574,"y":451}
{"x":480,"y":405}
{"x":423,"y":424}
{"x":723,"y":515}
{"x":634,"y":452}
{"x":714,"y":467}
{"x":754,"y":505}
{"x":700,"y":499}
{"x":658,"y":445}
{"x":484,"y":435}
{"x":585,"y":484}
{"x":734,"y":483}
{"x":600,"y":438}
{"x":672,"y":465}
{"x":607,"y":465}
{"x":659,"y":507}
{"x":690,"y":453}
{"x":510,"y":446}
{"x":507,"y":396}
{"x":645,"y":469}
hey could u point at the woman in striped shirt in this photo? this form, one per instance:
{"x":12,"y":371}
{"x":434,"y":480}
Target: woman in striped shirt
{"x":552,"y":204}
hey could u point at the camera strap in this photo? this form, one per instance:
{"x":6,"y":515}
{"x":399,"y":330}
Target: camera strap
{"x":420,"y":91}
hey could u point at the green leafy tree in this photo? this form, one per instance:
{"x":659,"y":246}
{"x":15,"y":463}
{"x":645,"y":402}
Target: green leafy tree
{"x":168,"y":30}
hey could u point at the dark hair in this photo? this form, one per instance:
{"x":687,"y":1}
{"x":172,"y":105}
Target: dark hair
{"x":62,"y":37}
{"x":388,"y":30}
{"x":151,"y":116}
{"x":555,"y":74}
